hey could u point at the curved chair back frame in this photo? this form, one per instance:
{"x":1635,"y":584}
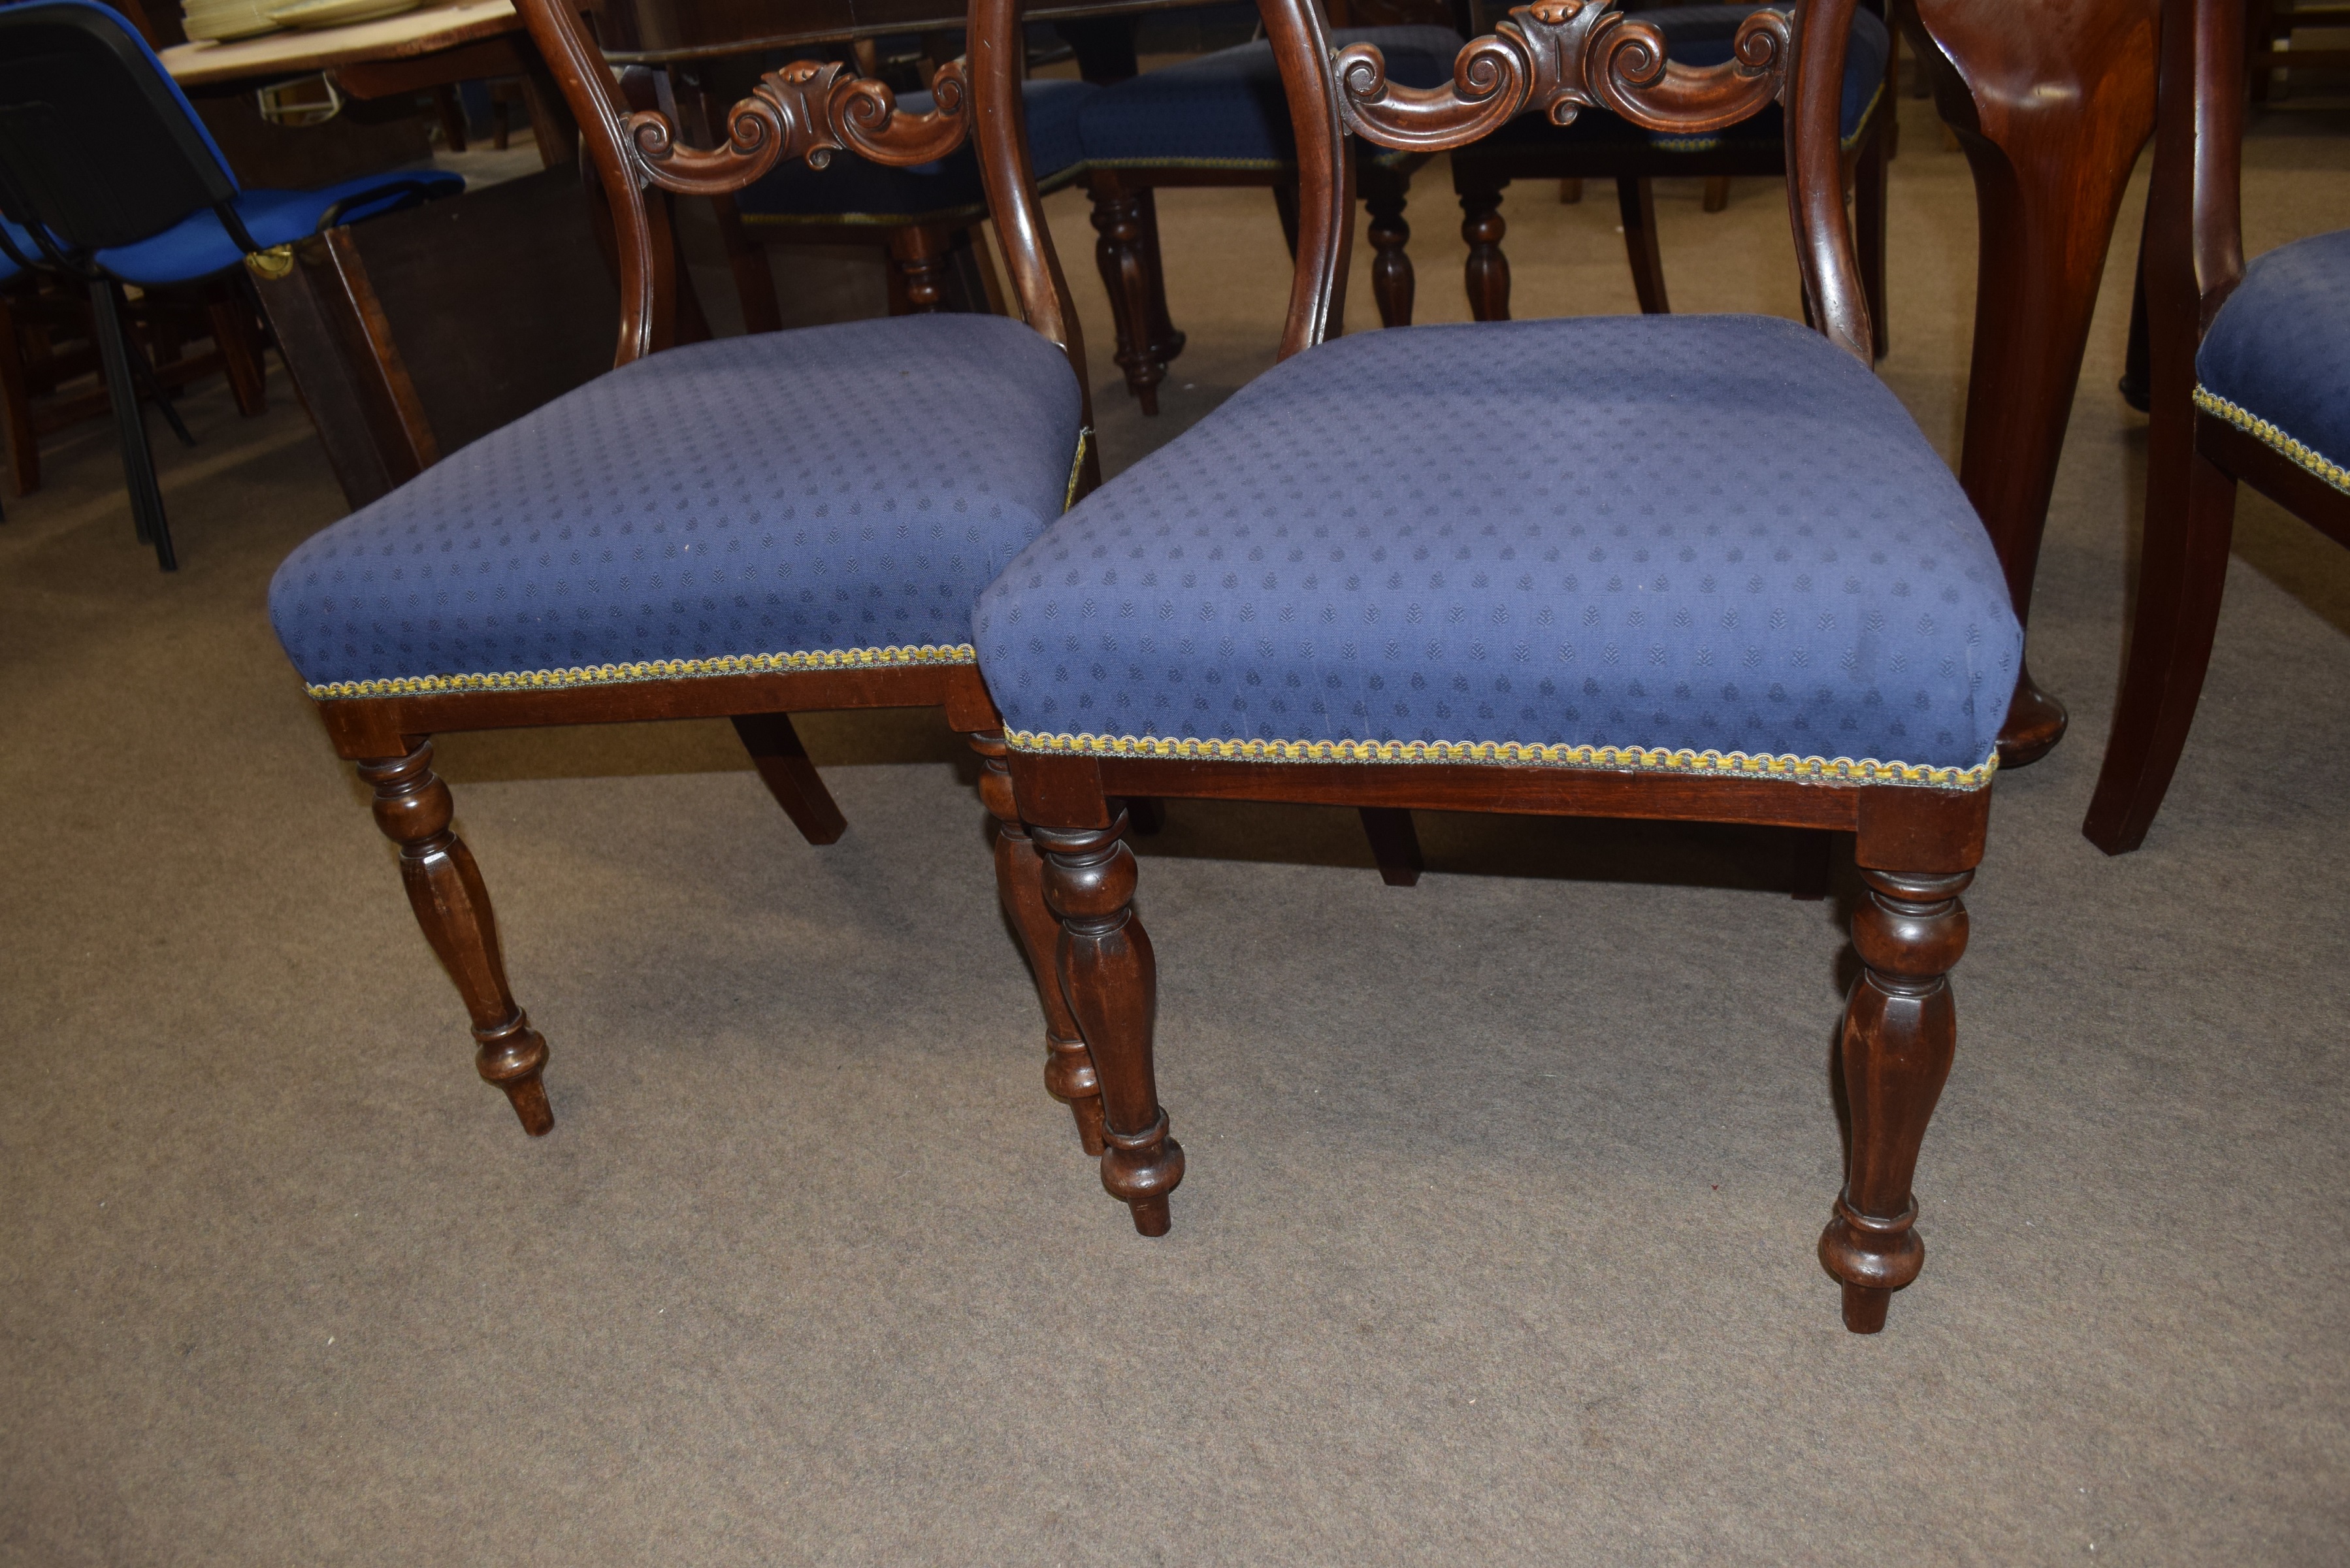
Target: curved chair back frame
{"x":809,"y":109}
{"x":1561,"y":56}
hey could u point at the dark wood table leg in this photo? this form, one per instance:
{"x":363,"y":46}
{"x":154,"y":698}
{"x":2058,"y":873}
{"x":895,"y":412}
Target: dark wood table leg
{"x":2052,"y":117}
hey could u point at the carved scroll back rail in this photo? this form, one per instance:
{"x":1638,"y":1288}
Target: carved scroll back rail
{"x":1563,"y":57}
{"x":809,"y":109}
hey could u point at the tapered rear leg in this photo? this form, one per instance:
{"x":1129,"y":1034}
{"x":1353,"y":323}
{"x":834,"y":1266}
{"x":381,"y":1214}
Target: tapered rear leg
{"x":775,"y":747}
{"x":1112,"y":981}
{"x":1020,"y":883}
{"x":1395,"y":844}
{"x":412,"y":807}
{"x":1900,"y":1031}
{"x":2182,"y":575}
{"x":1810,"y":864}
{"x":1636,"y":199}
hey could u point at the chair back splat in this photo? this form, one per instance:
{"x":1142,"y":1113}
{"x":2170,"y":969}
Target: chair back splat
{"x":810,"y":111}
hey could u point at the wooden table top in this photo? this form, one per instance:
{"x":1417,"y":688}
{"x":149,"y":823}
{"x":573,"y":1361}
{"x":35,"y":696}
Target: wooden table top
{"x":299,"y":53}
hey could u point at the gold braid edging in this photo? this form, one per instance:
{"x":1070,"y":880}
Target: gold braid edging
{"x":1734,"y":764}
{"x":655,"y":669}
{"x":1077,"y":467}
{"x":2252,"y":425}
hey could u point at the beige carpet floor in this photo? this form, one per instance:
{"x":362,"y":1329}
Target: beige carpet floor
{"x":1496,"y":1245}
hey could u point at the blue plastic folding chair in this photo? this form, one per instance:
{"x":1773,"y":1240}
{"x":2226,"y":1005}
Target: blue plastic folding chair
{"x":106,"y":175}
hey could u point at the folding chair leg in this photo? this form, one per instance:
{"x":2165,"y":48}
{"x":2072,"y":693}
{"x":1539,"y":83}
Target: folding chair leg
{"x":130,"y":423}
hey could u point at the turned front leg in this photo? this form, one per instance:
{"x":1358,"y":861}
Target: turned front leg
{"x":1020,"y":883}
{"x":1900,"y":1033}
{"x":412,"y":807}
{"x":1112,"y":981}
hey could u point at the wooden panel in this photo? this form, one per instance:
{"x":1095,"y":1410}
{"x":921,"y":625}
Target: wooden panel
{"x":499,"y":301}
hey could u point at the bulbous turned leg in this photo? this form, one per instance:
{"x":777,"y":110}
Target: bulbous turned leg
{"x":1487,"y":272}
{"x":412,"y":807}
{"x":1900,"y":1033}
{"x":919,"y":253}
{"x":1112,"y":980}
{"x":1118,"y":219}
{"x":1020,"y":883}
{"x":1391,"y":276}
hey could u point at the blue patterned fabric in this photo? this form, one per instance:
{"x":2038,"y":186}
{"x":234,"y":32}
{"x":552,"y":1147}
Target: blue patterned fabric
{"x":855,"y":190}
{"x":198,"y":247}
{"x":2277,"y":358}
{"x":832,"y":496}
{"x":1225,"y":110}
{"x":1690,"y":534}
{"x":1701,"y":35}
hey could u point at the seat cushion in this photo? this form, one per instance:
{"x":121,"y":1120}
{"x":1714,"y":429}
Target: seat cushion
{"x":1702,"y":35}
{"x":1701,"y":543}
{"x":2276,"y":362}
{"x":835,"y":496}
{"x":1225,"y":110}
{"x":198,"y":247}
{"x":853,"y":189}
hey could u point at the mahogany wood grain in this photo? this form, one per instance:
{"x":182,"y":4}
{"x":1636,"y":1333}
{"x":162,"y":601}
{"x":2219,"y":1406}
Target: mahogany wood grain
{"x":1915,"y":846}
{"x":1636,"y":203}
{"x":1069,"y":1075}
{"x":783,"y":763}
{"x":630,"y":155}
{"x":444,"y":887}
{"x":1395,"y":844}
{"x":2052,"y":117}
{"x":1111,"y":977}
{"x":1900,"y":1031}
{"x":2189,"y":263}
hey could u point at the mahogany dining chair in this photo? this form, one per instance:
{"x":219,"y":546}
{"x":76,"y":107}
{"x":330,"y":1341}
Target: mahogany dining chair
{"x":2249,"y":384}
{"x":741,"y":528}
{"x":1685,"y":568}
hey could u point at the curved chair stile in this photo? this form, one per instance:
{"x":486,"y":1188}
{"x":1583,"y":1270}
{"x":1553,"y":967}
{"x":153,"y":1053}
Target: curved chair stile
{"x":1603,"y":146}
{"x":742,"y":528}
{"x":2247,"y":387}
{"x":1697,"y":569}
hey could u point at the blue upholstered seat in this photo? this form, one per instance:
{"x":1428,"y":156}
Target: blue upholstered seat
{"x":854,"y":189}
{"x":198,"y":247}
{"x":833,"y":496}
{"x":2277,"y":359}
{"x":1225,"y":110}
{"x":1701,"y":35}
{"x":1601,"y":541}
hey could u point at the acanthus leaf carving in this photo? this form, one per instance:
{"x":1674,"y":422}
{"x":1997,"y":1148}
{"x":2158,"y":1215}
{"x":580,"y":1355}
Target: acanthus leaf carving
{"x":809,"y":110}
{"x":1561,"y":56}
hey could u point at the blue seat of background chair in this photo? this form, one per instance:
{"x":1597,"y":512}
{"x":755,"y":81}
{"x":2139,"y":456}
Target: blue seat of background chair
{"x":1667,"y":535}
{"x":855,"y":190}
{"x":1701,"y":35}
{"x":833,"y":496}
{"x":1225,"y":110}
{"x":2276,"y":361}
{"x":198,"y":247}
